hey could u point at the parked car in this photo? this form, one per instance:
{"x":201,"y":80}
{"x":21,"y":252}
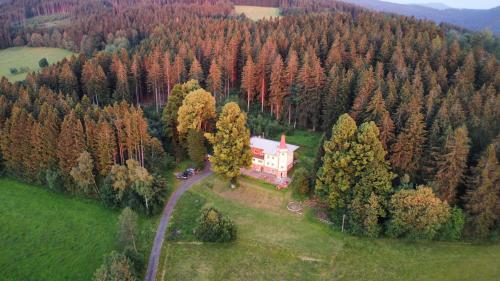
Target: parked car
{"x":181,"y":176}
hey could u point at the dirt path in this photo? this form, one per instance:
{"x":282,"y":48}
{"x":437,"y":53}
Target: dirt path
{"x":154,"y":258}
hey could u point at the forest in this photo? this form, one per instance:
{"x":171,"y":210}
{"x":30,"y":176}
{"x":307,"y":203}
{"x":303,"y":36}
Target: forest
{"x":421,"y":98}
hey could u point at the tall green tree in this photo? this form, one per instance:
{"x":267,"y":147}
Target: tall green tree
{"x":355,"y":178}
{"x":196,"y":111}
{"x":231,"y":142}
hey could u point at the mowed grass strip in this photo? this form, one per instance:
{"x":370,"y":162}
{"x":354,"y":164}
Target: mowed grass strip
{"x":18,"y":57}
{"x":276,"y":245}
{"x":256,"y":13}
{"x":49,"y":236}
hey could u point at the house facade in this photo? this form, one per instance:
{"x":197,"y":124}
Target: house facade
{"x":272,"y":157}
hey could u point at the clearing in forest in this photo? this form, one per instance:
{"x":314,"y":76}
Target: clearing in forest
{"x":27,"y":57}
{"x":257,"y":13}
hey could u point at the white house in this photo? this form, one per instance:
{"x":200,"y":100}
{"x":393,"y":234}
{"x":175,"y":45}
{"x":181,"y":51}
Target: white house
{"x":272,"y":157}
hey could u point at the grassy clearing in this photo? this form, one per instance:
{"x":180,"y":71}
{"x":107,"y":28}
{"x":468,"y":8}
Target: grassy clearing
{"x":27,"y":57}
{"x":256,"y":13}
{"x":49,"y":236}
{"x":47,"y":21}
{"x":308,"y":142}
{"x":274,"y":244}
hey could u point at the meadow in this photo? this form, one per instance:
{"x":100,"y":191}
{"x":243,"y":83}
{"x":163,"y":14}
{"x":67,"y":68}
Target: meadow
{"x":275,"y":244}
{"x":50,"y":236}
{"x":29,"y":57}
{"x":256,"y":13}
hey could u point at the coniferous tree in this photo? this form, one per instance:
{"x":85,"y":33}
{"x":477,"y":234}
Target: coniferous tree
{"x":452,"y":164}
{"x":196,"y":72}
{"x":277,"y":88}
{"x":483,"y":195}
{"x":408,"y":146}
{"x":248,"y":80}
{"x":231,"y":142}
{"x":71,"y":142}
{"x":214,"y":80}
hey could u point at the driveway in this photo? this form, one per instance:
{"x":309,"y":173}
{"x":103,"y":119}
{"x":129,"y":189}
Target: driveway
{"x":154,"y":258}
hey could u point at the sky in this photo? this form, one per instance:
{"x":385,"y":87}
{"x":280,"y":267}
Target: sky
{"x":468,"y":4}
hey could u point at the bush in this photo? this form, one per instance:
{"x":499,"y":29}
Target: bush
{"x":24,"y":69}
{"x":116,"y":266}
{"x":300,"y":182}
{"x":54,"y":180}
{"x":13,"y":71}
{"x":452,"y":229}
{"x":214,"y":227}
{"x":43,"y":63}
{"x":417,"y":214}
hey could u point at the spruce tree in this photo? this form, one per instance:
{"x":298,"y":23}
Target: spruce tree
{"x":483,"y":195}
{"x":231,"y":142}
{"x":451,"y":165}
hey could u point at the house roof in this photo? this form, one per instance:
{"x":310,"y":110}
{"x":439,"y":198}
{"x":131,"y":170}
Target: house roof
{"x":269,"y":146}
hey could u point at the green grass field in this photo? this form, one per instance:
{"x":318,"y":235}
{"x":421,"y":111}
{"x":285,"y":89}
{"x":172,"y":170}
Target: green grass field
{"x":27,"y":57}
{"x":274,"y":244}
{"x":49,"y":236}
{"x":257,"y":13}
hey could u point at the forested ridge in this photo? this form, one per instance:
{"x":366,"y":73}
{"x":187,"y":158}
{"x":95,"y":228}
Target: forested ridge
{"x":433,"y":98}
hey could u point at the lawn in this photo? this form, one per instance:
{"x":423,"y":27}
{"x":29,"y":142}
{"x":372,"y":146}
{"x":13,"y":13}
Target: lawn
{"x":256,"y":13}
{"x":274,"y":244}
{"x":308,"y":143}
{"x":49,"y":236}
{"x":27,"y":57}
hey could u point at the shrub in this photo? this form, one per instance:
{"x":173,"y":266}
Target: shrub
{"x":43,"y":63}
{"x":214,"y":227}
{"x":54,"y":180}
{"x":417,"y":214}
{"x":116,"y":266}
{"x":300,"y":182}
{"x":13,"y":71}
{"x":452,"y":229}
{"x":24,"y":69}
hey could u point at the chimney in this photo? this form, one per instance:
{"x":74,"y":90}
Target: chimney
{"x":282,"y":143}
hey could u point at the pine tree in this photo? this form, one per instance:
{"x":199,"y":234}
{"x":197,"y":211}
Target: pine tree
{"x":452,"y":164}
{"x":196,"y":72}
{"x":355,"y":176}
{"x":95,"y":82}
{"x":408,"y":147}
{"x":214,"y":81}
{"x":154,"y":72}
{"x":249,"y":81}
{"x":136,"y":75}
{"x":105,"y":147}
{"x":277,"y":88}
{"x":71,"y":142}
{"x":483,"y":195}
{"x":231,"y":142}
{"x":68,"y":83}
{"x":122,"y":90}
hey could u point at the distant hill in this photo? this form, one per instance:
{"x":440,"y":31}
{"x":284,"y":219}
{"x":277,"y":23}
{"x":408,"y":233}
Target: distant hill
{"x":471,"y":19}
{"x":435,"y":5}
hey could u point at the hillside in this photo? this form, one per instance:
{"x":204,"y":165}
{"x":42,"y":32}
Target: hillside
{"x":475,"y":20}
